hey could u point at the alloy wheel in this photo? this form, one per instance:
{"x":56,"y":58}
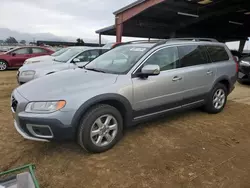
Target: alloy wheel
{"x":104,"y":130}
{"x":3,"y":66}
{"x":219,"y":98}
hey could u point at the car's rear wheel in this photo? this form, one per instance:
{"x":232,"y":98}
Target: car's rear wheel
{"x":100,"y":129}
{"x":3,"y":65}
{"x":217,"y":99}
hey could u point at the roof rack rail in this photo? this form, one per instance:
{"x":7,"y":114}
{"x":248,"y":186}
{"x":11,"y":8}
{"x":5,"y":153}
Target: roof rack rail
{"x":195,"y":39}
{"x":142,"y":41}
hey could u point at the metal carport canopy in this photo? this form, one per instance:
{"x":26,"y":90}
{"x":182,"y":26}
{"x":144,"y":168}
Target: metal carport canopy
{"x":225,"y":20}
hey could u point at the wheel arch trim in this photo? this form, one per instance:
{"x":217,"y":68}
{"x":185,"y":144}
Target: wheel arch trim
{"x":98,"y":100}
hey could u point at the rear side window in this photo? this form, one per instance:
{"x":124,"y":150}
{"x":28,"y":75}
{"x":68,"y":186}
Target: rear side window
{"x":192,"y":55}
{"x":22,"y":51}
{"x":217,"y":53}
{"x":38,"y":50}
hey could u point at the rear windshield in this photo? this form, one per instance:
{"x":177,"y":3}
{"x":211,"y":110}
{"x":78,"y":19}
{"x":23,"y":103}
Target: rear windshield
{"x":217,"y":53}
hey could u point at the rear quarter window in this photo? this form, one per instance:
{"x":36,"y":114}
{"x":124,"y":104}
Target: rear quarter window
{"x":217,"y":53}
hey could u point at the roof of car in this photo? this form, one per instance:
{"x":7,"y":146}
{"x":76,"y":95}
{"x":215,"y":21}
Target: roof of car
{"x":85,"y":47}
{"x":170,"y":42}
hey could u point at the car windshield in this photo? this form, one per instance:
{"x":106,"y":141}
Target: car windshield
{"x":59,"y":52}
{"x":117,"y":61}
{"x":67,"y":55}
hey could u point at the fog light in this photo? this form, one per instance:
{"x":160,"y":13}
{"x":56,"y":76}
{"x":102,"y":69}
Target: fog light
{"x":41,"y":131}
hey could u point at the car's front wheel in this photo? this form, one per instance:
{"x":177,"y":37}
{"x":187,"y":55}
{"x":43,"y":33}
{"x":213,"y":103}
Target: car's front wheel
{"x":100,"y":129}
{"x":217,"y":99}
{"x":3,"y":65}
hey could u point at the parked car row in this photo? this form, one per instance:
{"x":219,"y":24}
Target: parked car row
{"x":131,"y":83}
{"x":67,"y":58}
{"x":17,"y":56}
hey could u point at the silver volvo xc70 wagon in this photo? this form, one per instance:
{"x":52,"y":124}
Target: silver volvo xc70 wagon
{"x":134,"y":82}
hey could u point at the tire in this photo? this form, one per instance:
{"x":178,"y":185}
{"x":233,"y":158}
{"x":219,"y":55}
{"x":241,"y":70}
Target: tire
{"x":211,"y":106}
{"x":3,"y":65}
{"x":90,"y":125}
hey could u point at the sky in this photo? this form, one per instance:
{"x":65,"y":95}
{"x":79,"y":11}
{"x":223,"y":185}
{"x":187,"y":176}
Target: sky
{"x":76,"y":18}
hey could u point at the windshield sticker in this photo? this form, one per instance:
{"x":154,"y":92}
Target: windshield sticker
{"x":138,"y":49}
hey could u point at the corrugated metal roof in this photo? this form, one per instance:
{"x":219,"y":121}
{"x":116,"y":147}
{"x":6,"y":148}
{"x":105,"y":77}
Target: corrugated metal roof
{"x":105,"y":29}
{"x":129,"y":6}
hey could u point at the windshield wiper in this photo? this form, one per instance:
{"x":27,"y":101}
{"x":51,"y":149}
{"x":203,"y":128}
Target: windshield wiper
{"x":93,"y":69}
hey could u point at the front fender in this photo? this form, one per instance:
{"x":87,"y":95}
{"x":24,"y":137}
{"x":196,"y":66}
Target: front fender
{"x":99,"y":99}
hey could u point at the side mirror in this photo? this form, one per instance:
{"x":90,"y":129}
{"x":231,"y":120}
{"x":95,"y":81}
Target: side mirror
{"x":236,"y":58}
{"x":76,"y":60}
{"x":13,"y":54}
{"x":150,"y":70}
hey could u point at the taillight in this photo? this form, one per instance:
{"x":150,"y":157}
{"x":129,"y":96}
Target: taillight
{"x":237,"y":64}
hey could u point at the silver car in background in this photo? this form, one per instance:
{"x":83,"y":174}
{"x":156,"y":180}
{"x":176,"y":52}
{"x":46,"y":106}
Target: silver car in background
{"x":73,"y":57}
{"x":46,"y":57}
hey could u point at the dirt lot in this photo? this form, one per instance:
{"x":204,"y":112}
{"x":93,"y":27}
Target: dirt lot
{"x":191,"y":149}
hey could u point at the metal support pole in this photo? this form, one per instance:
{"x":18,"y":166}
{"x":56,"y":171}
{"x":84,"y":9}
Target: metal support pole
{"x":242,"y":45}
{"x":119,"y":31}
{"x":100,"y":39}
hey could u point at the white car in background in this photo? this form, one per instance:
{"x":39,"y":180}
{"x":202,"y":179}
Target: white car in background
{"x":72,"y":58}
{"x":46,"y":57}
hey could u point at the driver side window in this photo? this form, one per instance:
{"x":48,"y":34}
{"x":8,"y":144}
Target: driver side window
{"x":22,"y":51}
{"x":83,"y":57}
{"x":166,"y":58}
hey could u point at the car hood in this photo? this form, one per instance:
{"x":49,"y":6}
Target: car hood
{"x":3,"y":55}
{"x":34,"y":66}
{"x":39,"y":58}
{"x":58,"y":85}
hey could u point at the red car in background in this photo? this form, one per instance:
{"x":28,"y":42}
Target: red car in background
{"x":17,"y":56}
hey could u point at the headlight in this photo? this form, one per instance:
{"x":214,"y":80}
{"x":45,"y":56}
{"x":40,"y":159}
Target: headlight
{"x":28,"y":73}
{"x":245,"y":63}
{"x":45,"y":107}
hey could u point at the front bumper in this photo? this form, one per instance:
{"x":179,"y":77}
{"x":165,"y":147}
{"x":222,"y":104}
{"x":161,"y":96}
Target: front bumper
{"x":41,"y":127}
{"x":25,"y":135}
{"x":244,"y":73}
{"x":57,"y":130}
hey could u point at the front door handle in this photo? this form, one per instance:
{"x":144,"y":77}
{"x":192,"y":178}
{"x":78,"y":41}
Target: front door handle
{"x":176,"y":78}
{"x":209,"y":72}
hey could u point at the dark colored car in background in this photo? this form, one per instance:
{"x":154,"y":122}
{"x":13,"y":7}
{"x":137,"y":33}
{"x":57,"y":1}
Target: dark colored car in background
{"x":244,"y":70}
{"x":17,"y":56}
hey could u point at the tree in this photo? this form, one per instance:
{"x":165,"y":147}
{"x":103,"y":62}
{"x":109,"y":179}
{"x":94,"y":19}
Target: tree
{"x":1,"y":41}
{"x":22,"y":42}
{"x":11,"y":40}
{"x":79,"y":42}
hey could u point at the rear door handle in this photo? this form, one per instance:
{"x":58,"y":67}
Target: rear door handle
{"x":176,"y":78}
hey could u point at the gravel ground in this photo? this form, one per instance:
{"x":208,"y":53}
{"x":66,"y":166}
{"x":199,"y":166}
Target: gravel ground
{"x":191,"y":149}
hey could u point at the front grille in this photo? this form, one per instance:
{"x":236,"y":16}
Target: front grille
{"x":14,"y":103}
